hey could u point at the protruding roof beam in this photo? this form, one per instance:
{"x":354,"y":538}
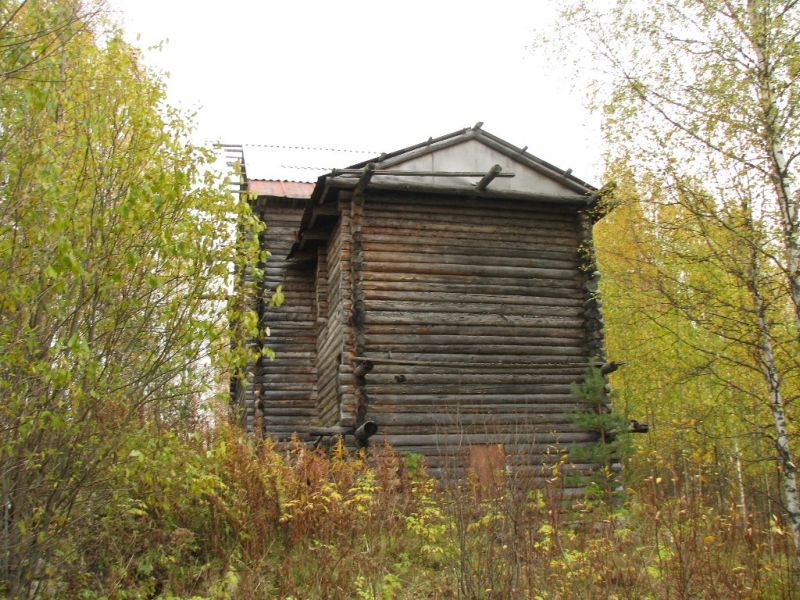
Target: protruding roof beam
{"x":363,"y":181}
{"x":489,"y":177}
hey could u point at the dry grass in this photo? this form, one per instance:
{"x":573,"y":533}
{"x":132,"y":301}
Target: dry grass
{"x":216,"y":516}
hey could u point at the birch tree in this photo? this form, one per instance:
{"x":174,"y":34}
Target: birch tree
{"x":700,"y":99}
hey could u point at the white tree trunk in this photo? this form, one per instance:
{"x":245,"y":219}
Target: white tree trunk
{"x":784,"y":454}
{"x":740,"y":483}
{"x":772,"y":117}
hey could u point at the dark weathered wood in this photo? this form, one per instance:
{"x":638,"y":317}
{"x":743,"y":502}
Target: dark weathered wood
{"x":447,"y":320}
{"x":567,"y":200}
{"x":402,"y":173}
{"x":444,"y":258}
{"x":495,"y":171}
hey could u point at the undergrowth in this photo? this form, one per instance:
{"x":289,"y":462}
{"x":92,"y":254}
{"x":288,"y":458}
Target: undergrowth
{"x":219,"y":516}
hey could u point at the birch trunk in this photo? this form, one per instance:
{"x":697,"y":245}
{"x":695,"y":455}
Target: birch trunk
{"x":740,"y":483}
{"x":784,"y":454}
{"x":773,"y":139}
{"x":770,"y":370}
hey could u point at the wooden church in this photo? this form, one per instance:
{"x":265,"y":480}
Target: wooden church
{"x":441,"y":297}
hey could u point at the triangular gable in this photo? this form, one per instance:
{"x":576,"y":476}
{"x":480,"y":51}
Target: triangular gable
{"x":476,"y":152}
{"x":421,"y":169}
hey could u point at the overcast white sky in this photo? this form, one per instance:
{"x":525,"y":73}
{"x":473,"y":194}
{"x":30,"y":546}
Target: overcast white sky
{"x":366,"y":75}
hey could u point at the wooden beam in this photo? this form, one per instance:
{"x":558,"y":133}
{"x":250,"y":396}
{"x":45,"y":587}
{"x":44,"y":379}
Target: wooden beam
{"x":326,"y":210}
{"x":363,"y":181}
{"x":365,"y":431}
{"x":469,"y":364}
{"x":400,"y":173}
{"x":314,"y":234}
{"x":489,"y":177}
{"x":322,"y":210}
{"x":362,"y":368}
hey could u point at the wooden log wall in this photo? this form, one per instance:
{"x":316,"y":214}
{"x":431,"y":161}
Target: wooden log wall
{"x":475,"y":319}
{"x":243,"y":387}
{"x":333,"y":275}
{"x":285,"y":387}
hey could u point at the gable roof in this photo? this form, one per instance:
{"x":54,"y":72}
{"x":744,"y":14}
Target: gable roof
{"x":468,"y":162}
{"x":411,"y":156}
{"x":454,"y":164}
{"x":471,"y":150}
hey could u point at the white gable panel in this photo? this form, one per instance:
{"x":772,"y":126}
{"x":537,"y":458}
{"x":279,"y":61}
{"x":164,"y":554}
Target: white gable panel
{"x":473,"y":155}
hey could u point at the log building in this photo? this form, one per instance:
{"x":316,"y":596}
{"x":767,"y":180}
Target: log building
{"x":444,"y":292}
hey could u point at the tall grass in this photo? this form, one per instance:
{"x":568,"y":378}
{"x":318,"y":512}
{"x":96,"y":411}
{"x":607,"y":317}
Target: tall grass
{"x":215,"y":515}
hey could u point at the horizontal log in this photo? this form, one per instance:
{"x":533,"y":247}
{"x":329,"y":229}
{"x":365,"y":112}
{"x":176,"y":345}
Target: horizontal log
{"x":267,"y":367}
{"x":421,"y":203}
{"x":439,"y":247}
{"x":412,"y":211}
{"x":566,"y":287}
{"x":539,"y":454}
{"x":438,"y":318}
{"x":514,"y":468}
{"x":459,"y":401}
{"x":456,"y":293}
{"x":400,"y":339}
{"x":524,"y":297}
{"x":279,"y":395}
{"x":500,"y":329}
{"x":513,"y":228}
{"x":474,"y":308}
{"x":466,"y":215}
{"x":432,"y":419}
{"x":469,"y":260}
{"x":278,"y":378}
{"x":572,"y":275}
{"x":412,"y":389}
{"x":577,"y":352}
{"x":455,"y":439}
{"x":560,"y":239}
{"x":532,"y":377}
{"x":470,"y":244}
{"x":379,"y":406}
{"x":298,"y":421}
{"x":471,"y":361}
{"x":489,"y":428}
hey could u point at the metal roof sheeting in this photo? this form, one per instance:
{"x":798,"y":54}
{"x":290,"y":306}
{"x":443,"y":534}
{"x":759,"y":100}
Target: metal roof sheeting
{"x":298,"y":163}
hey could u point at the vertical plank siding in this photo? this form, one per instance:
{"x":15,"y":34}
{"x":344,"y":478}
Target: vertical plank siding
{"x":475,"y":316}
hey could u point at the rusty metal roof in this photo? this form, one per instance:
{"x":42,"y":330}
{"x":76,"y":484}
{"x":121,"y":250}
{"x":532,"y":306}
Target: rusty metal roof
{"x":283,"y":189}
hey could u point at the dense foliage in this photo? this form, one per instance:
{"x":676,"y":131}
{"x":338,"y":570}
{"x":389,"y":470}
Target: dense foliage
{"x":702,"y":255}
{"x":113,"y":268}
{"x":118,"y":479}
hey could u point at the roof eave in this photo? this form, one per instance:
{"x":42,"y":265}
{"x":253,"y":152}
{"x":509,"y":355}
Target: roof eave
{"x":565,"y":200}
